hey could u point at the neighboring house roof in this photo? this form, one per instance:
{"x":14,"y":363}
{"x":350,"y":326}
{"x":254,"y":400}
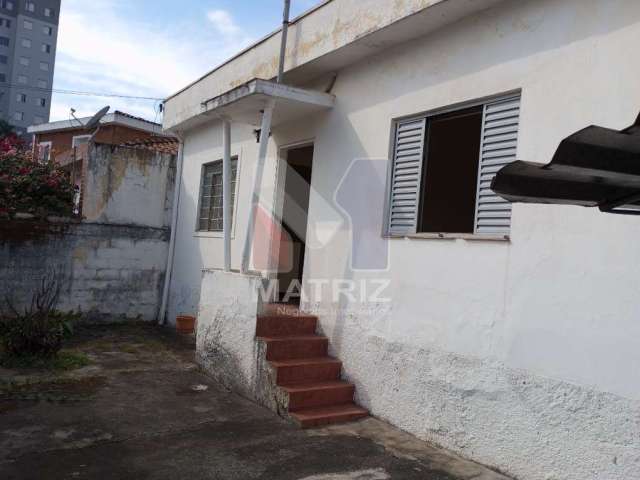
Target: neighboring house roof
{"x":156,"y":144}
{"x":117,"y":118}
{"x":325,"y":39}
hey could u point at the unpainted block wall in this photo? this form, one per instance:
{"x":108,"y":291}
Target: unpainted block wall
{"x":107,"y":272}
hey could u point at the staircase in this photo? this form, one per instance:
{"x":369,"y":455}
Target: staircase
{"x":310,"y":380}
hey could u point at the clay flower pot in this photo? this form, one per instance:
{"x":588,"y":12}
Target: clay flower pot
{"x":185,"y":324}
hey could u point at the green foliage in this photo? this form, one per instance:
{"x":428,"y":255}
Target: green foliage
{"x":40,"y":329}
{"x":30,"y":187}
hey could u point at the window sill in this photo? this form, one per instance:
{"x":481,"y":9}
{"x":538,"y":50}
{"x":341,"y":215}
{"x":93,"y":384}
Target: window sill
{"x":211,"y":235}
{"x":497,"y":237}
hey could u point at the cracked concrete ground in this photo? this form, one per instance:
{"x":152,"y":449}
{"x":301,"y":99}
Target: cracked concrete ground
{"x":140,"y":411}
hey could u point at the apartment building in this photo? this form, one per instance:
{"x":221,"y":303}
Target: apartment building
{"x":28,"y":38}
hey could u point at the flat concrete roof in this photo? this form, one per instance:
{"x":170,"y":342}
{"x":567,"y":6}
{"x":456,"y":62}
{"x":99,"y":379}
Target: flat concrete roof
{"x":331,"y":36}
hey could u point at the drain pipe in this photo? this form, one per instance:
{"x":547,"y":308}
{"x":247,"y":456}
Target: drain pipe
{"x":162,"y":315}
{"x":265,"y":130}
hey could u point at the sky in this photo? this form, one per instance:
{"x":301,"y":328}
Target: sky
{"x":150,"y":48}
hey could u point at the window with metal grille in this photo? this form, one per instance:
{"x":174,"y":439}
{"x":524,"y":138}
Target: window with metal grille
{"x":210,"y":209}
{"x":442,"y":169}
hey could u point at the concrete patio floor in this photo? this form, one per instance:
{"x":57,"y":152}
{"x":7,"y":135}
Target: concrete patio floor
{"x":143,"y":409}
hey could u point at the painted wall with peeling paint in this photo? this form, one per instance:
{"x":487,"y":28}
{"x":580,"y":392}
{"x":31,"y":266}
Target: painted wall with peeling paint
{"x":113,"y":262}
{"x":106,"y":272}
{"x":126,"y":186}
{"x":523,"y":354}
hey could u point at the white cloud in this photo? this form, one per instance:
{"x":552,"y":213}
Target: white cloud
{"x":223,"y":22}
{"x":126,"y":56}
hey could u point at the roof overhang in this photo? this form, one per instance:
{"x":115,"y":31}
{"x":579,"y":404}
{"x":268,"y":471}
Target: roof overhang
{"x":595,"y":167}
{"x":116,"y":118}
{"x":245,"y":103}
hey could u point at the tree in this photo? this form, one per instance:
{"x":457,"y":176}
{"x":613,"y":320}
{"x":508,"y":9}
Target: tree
{"x":27,"y":186}
{"x":6,"y":129}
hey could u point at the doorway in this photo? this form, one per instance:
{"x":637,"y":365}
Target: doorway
{"x":295,"y":211}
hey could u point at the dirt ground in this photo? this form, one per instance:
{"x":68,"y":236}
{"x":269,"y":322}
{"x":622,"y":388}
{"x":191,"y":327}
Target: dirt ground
{"x":143,"y":409}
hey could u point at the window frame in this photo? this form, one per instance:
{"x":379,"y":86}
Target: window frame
{"x":218,"y":233}
{"x":78,"y":137}
{"x":426,"y":114}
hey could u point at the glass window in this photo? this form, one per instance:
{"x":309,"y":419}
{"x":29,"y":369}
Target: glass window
{"x":6,"y":4}
{"x":48,"y":12}
{"x":29,"y":6}
{"x":4,"y":59}
{"x":21,"y":98}
{"x":210,"y":213}
{"x":18,"y":116}
{"x":42,"y":83}
{"x":3,"y":78}
{"x":47,"y":31}
{"x":44,"y":66}
{"x":26,"y":43}
{"x":41,"y":102}
{"x":46,"y":48}
{"x":24,"y":61}
{"x":4,"y":41}
{"x":23,"y":79}
{"x":80,"y":140}
{"x":28,"y":25}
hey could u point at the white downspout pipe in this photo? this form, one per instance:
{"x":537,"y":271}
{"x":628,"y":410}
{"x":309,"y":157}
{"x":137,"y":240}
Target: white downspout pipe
{"x":265,"y":129}
{"x":226,"y":192}
{"x":283,"y":40}
{"x":162,"y":316}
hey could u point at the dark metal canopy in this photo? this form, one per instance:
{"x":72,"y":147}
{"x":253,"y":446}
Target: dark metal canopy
{"x":595,"y":167}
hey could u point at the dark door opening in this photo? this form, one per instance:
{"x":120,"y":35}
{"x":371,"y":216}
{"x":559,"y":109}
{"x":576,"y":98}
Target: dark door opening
{"x":295,"y":210}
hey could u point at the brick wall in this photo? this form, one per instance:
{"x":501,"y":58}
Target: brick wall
{"x":108,"y":272}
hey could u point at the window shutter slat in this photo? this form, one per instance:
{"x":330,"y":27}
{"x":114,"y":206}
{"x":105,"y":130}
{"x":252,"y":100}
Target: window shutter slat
{"x":499,"y":142}
{"x":405,"y":177}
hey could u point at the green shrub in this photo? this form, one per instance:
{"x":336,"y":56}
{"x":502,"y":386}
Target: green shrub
{"x":39,"y":330}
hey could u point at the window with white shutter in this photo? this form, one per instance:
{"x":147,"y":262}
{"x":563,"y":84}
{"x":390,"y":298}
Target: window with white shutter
{"x":442,"y":168}
{"x":405,"y":177}
{"x":498,"y":148}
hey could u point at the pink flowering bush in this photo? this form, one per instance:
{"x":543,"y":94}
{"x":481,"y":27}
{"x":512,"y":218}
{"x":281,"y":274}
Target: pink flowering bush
{"x":27,"y":186}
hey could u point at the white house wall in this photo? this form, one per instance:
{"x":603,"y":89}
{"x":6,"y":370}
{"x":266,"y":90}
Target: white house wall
{"x":524,"y":354}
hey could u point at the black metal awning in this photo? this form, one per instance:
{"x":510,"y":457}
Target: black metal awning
{"x":595,"y":167}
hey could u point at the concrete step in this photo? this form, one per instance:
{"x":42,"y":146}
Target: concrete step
{"x":279,"y":325}
{"x":319,"y":394}
{"x":298,"y":346}
{"x":306,"y":370}
{"x":318,"y":416}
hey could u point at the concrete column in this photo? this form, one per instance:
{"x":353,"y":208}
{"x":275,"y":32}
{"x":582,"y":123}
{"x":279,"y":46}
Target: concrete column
{"x":257,"y":182}
{"x":227,"y":204}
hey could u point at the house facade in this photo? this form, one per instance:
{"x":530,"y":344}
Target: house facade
{"x":507,"y":333}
